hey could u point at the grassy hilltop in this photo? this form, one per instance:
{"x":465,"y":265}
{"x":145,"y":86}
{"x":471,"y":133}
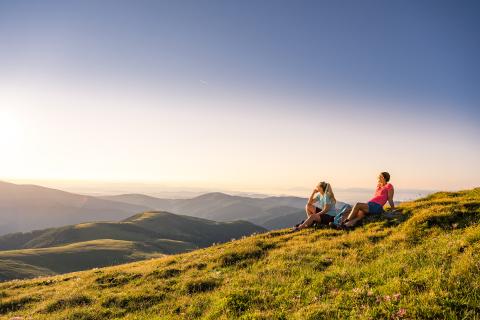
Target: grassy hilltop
{"x":421,"y":263}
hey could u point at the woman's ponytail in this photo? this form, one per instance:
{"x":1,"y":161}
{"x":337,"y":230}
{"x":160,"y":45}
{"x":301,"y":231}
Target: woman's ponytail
{"x":327,"y":188}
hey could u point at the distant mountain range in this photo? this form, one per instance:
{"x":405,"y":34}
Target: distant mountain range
{"x":74,"y":232}
{"x":270,"y":212}
{"x":29,"y":207}
{"x":88,"y":245}
{"x":220,"y":206}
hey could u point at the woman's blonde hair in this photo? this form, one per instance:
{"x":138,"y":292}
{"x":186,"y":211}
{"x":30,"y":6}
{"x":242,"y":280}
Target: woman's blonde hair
{"x":327,"y":188}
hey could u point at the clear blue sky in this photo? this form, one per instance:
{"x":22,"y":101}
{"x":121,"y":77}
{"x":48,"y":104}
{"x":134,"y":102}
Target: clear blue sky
{"x":242,"y":93}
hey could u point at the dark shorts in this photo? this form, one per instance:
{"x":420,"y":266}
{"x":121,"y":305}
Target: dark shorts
{"x":324,"y":218}
{"x":374,"y":208}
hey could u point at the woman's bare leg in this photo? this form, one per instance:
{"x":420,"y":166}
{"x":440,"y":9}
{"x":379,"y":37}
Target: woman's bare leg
{"x":310,"y":220}
{"x":310,"y":209}
{"x":354,"y":214}
{"x":360,"y":216}
{"x":358,"y":212}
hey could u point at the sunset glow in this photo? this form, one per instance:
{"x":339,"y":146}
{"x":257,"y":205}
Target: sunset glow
{"x":222,"y":101}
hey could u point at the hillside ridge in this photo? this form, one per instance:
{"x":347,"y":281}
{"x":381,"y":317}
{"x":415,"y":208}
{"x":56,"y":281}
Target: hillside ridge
{"x":421,"y":262}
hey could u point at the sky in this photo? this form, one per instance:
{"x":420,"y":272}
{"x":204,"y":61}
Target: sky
{"x":267,"y":96}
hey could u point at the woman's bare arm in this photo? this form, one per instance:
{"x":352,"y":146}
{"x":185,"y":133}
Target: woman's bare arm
{"x":312,"y":198}
{"x":325,"y":209}
{"x":390,"y":198}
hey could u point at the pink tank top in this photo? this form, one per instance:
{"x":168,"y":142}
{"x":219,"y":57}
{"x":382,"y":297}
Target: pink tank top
{"x":381,"y":194}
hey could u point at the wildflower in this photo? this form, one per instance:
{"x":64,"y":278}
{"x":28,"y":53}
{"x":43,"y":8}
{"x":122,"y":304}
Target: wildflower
{"x":401,"y":312}
{"x":370,"y":293}
{"x":387,"y":298}
{"x":396,"y":296}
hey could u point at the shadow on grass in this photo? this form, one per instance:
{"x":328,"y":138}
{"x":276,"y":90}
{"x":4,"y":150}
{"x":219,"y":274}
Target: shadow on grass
{"x":134,"y":302}
{"x":74,"y":301}
{"x":164,"y":274}
{"x":202,"y":285}
{"x":116,"y":279}
{"x":245,"y":256}
{"x":16,"y":304}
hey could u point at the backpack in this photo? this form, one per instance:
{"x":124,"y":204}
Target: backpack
{"x":337,"y":220}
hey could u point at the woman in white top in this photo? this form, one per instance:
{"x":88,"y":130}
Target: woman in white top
{"x":320,"y":207}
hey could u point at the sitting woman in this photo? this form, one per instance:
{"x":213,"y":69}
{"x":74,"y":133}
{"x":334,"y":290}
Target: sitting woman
{"x":383,"y":193}
{"x":323,"y":212}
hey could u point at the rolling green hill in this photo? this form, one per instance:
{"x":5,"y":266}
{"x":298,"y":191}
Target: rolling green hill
{"x":420,"y":263}
{"x":76,"y":256}
{"x":88,"y":245}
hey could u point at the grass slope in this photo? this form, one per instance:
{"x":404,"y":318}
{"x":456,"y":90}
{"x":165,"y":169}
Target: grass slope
{"x":423,"y":263}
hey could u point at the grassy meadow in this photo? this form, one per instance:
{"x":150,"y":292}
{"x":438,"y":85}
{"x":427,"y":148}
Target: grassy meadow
{"x":422,"y":262}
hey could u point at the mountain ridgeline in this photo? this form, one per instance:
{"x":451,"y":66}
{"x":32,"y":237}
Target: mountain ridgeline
{"x":222,"y":207}
{"x":28,"y":207}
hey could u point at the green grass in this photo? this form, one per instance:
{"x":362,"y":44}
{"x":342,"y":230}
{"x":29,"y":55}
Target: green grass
{"x":422,"y":263}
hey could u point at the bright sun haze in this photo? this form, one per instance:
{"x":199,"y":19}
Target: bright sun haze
{"x":207,"y":94}
{"x":10,"y":132}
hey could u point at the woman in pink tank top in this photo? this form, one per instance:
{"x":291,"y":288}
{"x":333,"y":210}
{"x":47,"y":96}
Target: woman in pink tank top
{"x":383,"y":193}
